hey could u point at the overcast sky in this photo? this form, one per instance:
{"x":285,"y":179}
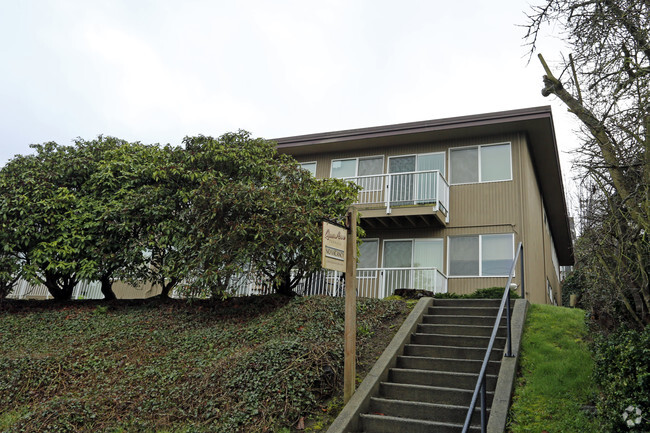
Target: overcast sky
{"x":157,"y":70}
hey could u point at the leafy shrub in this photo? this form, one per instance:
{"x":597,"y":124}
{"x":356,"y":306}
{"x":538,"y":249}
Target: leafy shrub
{"x":488,"y":293}
{"x":622,"y":371}
{"x":574,"y":284}
{"x":492,"y":293}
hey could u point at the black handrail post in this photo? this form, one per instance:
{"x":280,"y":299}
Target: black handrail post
{"x":483,"y":407}
{"x":508,"y":314}
{"x":521,"y":263}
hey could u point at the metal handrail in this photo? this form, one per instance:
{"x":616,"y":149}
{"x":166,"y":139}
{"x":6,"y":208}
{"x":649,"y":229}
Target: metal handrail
{"x":480,"y":390}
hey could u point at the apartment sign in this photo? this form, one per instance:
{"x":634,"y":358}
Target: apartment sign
{"x":334,"y":243}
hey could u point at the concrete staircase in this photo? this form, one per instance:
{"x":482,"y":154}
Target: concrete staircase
{"x":428,"y":385}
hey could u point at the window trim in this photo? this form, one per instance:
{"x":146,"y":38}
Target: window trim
{"x":417,"y":155}
{"x":379,"y":186}
{"x":478,"y":147}
{"x":356,"y":166}
{"x":480,"y":256}
{"x":401,"y":156}
{"x":444,"y":158}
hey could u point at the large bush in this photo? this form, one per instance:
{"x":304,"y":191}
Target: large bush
{"x":107,"y":210}
{"x":622,"y":371}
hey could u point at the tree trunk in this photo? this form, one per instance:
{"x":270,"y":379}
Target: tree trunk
{"x":166,"y":288}
{"x":60,"y":291}
{"x":107,"y":288}
{"x":283,"y":286}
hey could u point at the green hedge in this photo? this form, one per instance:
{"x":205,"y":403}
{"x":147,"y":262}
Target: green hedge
{"x":488,"y":293}
{"x":622,"y":371}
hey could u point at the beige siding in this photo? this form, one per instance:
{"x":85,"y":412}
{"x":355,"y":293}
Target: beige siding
{"x":533,"y":227}
{"x":126,"y":291}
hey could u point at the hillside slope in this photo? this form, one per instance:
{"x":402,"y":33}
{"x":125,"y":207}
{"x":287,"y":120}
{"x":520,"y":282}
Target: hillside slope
{"x":245,"y":364}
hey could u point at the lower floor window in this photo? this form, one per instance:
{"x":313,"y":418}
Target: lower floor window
{"x":403,"y":253}
{"x":481,"y":255}
{"x":413,"y":253}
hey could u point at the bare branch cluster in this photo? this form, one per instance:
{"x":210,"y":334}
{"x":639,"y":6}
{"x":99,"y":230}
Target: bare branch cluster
{"x":608,"y":89}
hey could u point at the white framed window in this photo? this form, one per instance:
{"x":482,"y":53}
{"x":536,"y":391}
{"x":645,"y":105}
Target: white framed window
{"x":368,"y":254}
{"x":480,"y":255}
{"x":365,"y":166}
{"x":413,"y":253}
{"x":309,"y":166}
{"x":353,"y":167}
{"x":484,"y":163}
{"x":417,"y":162}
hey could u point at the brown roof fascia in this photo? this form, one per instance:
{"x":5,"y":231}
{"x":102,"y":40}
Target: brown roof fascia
{"x":461,"y":122}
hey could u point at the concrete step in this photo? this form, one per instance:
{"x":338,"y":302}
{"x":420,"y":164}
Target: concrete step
{"x":388,"y":424}
{"x":428,"y":394}
{"x":491,"y":303}
{"x":464,"y":311}
{"x":423,"y":411}
{"x":457,"y":329}
{"x":439,"y":378}
{"x":461,"y":320}
{"x":456,"y":340}
{"x":453,"y":352}
{"x":443,"y":364}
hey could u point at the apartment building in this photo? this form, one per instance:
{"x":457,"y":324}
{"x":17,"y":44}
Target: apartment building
{"x":444,"y":203}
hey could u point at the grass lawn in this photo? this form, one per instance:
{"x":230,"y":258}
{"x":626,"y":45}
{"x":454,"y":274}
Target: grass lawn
{"x":258,"y":364}
{"x":555,"y":374}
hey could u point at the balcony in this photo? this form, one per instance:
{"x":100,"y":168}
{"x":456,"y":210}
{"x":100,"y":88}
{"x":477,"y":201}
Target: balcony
{"x":414,"y":199}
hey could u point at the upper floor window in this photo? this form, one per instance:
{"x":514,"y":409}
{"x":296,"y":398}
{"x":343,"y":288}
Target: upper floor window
{"x":310,"y":167}
{"x":485,"y":163}
{"x":354,"y":167}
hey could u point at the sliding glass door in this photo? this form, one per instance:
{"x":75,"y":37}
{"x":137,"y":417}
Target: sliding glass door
{"x":409,"y":187}
{"x":412,"y":263}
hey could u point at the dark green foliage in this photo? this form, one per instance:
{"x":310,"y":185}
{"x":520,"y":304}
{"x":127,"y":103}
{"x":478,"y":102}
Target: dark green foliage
{"x":492,"y":293}
{"x":107,"y":209}
{"x":574,"y":284}
{"x":487,"y":293}
{"x":242,"y":365}
{"x":254,"y":210}
{"x":622,"y":371}
{"x":9,"y":273}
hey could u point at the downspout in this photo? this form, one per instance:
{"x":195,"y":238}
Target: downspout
{"x":522,"y":144}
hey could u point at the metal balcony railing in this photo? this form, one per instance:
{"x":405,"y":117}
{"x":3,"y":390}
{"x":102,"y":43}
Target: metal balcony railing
{"x":398,"y":189}
{"x":375,"y":282}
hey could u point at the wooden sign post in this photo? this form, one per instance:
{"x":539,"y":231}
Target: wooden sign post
{"x":340,"y":254}
{"x":350,"y":361}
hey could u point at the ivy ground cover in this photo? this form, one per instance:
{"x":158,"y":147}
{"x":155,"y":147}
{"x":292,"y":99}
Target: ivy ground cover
{"x":244,"y":364}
